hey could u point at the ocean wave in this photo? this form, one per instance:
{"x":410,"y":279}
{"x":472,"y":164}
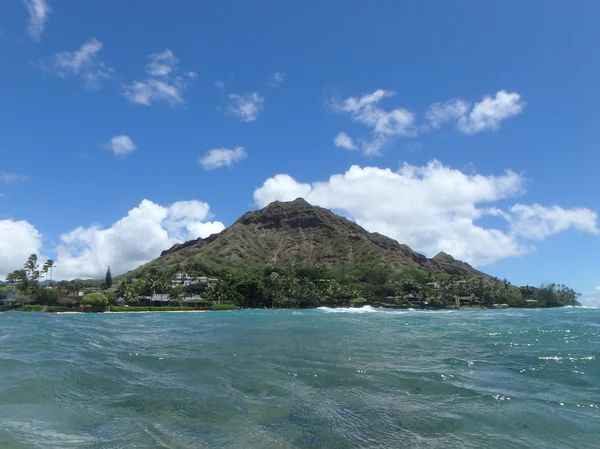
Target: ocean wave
{"x":371,"y":309}
{"x":363,"y":309}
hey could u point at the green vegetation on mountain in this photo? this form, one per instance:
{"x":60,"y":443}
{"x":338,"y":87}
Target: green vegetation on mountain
{"x":293,"y":255}
{"x":298,"y":234}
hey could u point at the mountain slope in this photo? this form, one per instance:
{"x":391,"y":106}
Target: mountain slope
{"x":285,"y":232}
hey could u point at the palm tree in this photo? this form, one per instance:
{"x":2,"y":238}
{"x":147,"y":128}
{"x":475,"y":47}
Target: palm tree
{"x":20,"y":277}
{"x":176,"y":292}
{"x":45,"y":271}
{"x":32,"y":267}
{"x":190,"y":270}
{"x":127,"y":290}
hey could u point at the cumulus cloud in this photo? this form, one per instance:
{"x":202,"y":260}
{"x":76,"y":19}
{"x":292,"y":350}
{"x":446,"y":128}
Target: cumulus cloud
{"x":389,"y":125}
{"x":246,"y":107}
{"x":385,"y":125}
{"x":18,"y":239}
{"x":222,"y":157}
{"x":485,"y":115}
{"x":132,"y":241}
{"x":343,"y":140}
{"x":166,"y":82}
{"x":121,"y":145}
{"x":435,"y":208}
{"x":83,"y":62}
{"x":12,"y":177}
{"x":38,"y":10}
{"x":537,"y":222}
{"x":277,"y":79}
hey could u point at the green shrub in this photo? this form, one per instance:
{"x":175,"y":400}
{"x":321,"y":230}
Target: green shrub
{"x":95,"y":300}
{"x":220,"y":307}
{"x":358,"y":302}
{"x":54,"y":309}
{"x":46,"y":296}
{"x":148,"y":309}
{"x":35,"y":308}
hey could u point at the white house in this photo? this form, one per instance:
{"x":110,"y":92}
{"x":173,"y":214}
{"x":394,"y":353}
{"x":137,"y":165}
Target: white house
{"x":185,"y":280}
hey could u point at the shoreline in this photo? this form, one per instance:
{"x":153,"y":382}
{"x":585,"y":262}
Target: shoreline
{"x":129,"y":311}
{"x":279,"y":309}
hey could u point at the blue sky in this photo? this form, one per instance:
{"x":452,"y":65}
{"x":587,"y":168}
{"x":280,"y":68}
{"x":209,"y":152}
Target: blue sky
{"x":109,"y":103}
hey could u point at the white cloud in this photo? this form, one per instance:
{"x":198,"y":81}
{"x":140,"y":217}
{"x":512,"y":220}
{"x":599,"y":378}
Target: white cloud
{"x":162,"y":64}
{"x":440,"y":113}
{"x":277,"y":79}
{"x":12,"y":177}
{"x":83,"y":62}
{"x":385,"y":125}
{"x":537,"y":222}
{"x":155,"y":91}
{"x":343,"y":140}
{"x":388,"y":125}
{"x":246,"y":107}
{"x":121,"y":145}
{"x":281,"y":188}
{"x":222,"y":157}
{"x":18,"y":239}
{"x":133,"y":240}
{"x":166,"y":82}
{"x":220,"y":84}
{"x":483,"y":116}
{"x":434,"y":208}
{"x":38,"y":10}
{"x":488,"y":113}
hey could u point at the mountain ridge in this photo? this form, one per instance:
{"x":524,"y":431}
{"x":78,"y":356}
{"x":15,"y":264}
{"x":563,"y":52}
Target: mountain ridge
{"x":298,"y":232}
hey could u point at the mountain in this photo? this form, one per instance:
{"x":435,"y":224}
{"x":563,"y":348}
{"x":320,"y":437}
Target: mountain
{"x":298,"y":232}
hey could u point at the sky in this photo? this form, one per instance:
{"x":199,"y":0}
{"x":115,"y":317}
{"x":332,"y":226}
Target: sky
{"x":465,"y":127}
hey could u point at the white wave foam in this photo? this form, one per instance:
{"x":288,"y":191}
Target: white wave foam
{"x":364,"y":309}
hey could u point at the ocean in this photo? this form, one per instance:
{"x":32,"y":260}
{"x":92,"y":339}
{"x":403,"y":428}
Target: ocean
{"x":325,"y":378}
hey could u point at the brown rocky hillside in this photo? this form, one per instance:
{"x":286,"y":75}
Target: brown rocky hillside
{"x":285,"y":232}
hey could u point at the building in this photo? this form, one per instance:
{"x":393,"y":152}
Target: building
{"x":185,"y":280}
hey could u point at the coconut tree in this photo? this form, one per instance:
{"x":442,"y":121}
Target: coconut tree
{"x":47,"y":267}
{"x":176,"y":292}
{"x":127,"y":290}
{"x":31,"y":266}
{"x":20,"y":277}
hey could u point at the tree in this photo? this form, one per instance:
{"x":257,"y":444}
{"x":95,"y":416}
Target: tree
{"x":47,"y":267}
{"x":46,"y":296}
{"x":108,"y":278}
{"x":45,"y":271}
{"x":274,"y":284}
{"x":176,"y":292}
{"x":31,"y":266}
{"x":95,"y":300}
{"x":127,"y":290}
{"x":223,"y":290}
{"x":250,"y":288}
{"x":20,"y":278}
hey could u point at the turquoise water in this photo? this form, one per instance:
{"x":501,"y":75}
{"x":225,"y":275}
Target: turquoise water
{"x":301,"y":379}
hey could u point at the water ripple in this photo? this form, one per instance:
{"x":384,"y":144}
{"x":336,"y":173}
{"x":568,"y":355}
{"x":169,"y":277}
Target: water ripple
{"x":301,"y":379}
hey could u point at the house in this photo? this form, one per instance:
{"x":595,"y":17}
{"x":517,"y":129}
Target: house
{"x":185,"y":280}
{"x":8,"y":302}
